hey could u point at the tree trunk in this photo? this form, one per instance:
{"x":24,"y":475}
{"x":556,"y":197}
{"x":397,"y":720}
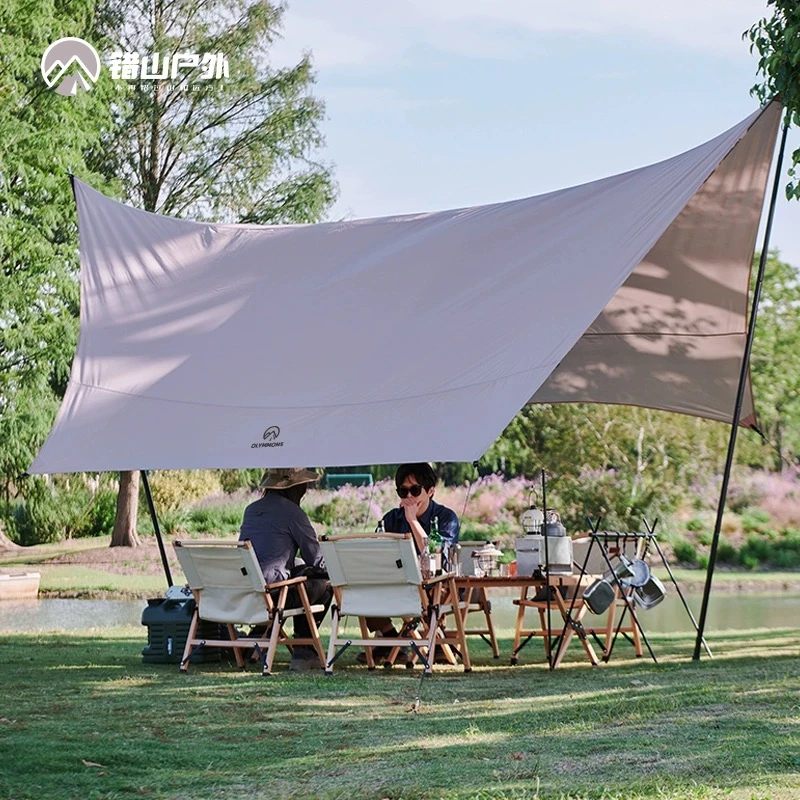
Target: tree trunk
{"x":124,"y":534}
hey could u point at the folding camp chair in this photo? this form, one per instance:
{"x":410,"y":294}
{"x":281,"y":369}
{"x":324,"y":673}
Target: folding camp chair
{"x":379,"y":576}
{"x":229,"y":589}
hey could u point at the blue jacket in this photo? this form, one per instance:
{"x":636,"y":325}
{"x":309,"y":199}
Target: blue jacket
{"x":395,"y":521}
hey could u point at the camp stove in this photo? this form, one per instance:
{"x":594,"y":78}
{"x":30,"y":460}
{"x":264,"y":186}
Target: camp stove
{"x":531,"y":548}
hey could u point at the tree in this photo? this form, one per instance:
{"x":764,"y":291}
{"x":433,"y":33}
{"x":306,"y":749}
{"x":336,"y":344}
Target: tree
{"x":43,"y":136}
{"x":234,"y":149}
{"x":775,"y":363}
{"x":777,"y":40}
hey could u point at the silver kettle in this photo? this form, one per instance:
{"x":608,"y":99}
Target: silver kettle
{"x":553,"y":526}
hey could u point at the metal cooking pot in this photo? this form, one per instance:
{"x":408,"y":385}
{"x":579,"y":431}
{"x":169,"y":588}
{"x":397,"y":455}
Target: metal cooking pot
{"x":599,"y":596}
{"x":650,"y":594}
{"x":629,"y":572}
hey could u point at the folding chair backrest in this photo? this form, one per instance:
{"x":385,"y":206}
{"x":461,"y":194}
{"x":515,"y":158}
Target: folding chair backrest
{"x":376,"y":575}
{"x":227,"y":580}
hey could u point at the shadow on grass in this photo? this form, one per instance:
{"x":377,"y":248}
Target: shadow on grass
{"x":84,"y":717}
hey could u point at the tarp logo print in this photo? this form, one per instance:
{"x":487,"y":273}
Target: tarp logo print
{"x":70,"y":64}
{"x":270,"y":437}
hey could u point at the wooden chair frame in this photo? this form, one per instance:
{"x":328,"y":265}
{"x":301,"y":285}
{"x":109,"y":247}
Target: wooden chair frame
{"x":274,"y":616}
{"x":434,"y":596}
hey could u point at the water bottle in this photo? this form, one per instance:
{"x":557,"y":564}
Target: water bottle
{"x":435,"y":536}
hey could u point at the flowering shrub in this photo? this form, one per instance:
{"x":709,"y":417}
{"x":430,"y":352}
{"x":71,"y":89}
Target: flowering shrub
{"x":176,"y":489}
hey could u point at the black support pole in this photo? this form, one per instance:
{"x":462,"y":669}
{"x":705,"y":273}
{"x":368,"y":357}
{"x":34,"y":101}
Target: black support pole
{"x":153,"y":516}
{"x":737,"y":412}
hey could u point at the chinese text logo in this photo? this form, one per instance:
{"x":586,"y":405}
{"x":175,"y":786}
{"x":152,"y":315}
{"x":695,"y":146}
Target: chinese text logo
{"x":130,"y":66}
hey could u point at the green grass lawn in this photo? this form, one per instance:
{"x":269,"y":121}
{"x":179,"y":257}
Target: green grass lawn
{"x":82,"y":717}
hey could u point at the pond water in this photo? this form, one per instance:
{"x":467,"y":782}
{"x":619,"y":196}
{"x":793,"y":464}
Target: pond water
{"x":726,"y":612}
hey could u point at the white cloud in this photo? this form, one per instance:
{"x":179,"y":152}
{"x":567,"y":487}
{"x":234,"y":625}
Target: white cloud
{"x":363,"y":32}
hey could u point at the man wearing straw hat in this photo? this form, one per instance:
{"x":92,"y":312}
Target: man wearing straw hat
{"x":278,"y":528}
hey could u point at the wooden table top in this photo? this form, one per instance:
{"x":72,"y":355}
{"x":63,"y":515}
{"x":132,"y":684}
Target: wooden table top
{"x":520,"y":581}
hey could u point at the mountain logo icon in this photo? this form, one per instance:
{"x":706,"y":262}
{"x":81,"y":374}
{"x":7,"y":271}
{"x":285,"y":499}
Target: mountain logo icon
{"x":70,"y":65}
{"x":272,"y":433}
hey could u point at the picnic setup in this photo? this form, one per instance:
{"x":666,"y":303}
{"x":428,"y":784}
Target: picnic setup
{"x":584,"y":590}
{"x":197,"y":351}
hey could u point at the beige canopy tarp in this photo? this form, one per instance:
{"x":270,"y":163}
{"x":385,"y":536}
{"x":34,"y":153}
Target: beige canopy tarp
{"x":415,"y":337}
{"x":673,"y":335}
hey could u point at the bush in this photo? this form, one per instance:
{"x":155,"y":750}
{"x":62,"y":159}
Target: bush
{"x":615,"y":496}
{"x":684,"y":551}
{"x":216,"y":519}
{"x":101,"y":515}
{"x":748,"y":560}
{"x":755,"y":519}
{"x":41,"y":517}
{"x":176,"y":489}
{"x":232,"y":480}
{"x":705,"y":538}
{"x":173,"y":521}
{"x":755,"y":549}
{"x":726,"y":552}
{"x":695,"y":524}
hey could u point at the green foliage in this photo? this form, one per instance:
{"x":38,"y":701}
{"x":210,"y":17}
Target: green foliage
{"x":755,"y":519}
{"x":232,"y":480}
{"x":684,"y":551}
{"x":695,"y":524}
{"x":173,"y":490}
{"x":239,"y":149}
{"x":64,"y":507}
{"x":44,"y":135}
{"x":726,"y":552}
{"x":781,"y":551}
{"x":775,"y":363}
{"x":216,"y":519}
{"x":99,"y":519}
{"x":173,"y":521}
{"x":41,"y":517}
{"x":343,"y":510}
{"x":616,"y":496}
{"x":777,"y":41}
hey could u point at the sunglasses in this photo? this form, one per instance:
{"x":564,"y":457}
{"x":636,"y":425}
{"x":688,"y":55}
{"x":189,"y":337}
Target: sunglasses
{"x":405,"y":491}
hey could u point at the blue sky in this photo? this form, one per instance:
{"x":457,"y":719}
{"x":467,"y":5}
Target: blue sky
{"x":437,"y":104}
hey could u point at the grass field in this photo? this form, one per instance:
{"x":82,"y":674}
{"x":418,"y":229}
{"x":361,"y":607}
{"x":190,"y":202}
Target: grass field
{"x":82,"y":717}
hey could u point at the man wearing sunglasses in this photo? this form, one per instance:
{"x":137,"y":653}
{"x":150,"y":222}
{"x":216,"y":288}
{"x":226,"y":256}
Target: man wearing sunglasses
{"x":415,"y":486}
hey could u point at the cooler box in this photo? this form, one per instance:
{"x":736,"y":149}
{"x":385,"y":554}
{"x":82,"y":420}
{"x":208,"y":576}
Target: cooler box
{"x":168,"y":628}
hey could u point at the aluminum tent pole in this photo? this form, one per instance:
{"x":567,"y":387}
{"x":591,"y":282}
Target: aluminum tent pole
{"x":737,"y":412}
{"x":157,"y":530}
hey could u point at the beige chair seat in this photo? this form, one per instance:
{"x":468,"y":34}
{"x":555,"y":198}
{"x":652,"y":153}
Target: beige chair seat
{"x":229,"y":589}
{"x":378,"y":575}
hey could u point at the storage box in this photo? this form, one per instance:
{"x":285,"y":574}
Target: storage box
{"x":531,"y":554}
{"x":167,"y":624}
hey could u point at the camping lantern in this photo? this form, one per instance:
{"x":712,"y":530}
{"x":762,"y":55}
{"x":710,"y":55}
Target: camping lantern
{"x":485,"y":561}
{"x":531,"y":520}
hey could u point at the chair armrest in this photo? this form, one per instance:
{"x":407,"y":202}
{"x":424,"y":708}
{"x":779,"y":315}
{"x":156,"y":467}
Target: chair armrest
{"x":287,"y":582}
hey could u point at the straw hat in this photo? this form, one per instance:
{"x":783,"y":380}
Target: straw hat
{"x":286,"y":477}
